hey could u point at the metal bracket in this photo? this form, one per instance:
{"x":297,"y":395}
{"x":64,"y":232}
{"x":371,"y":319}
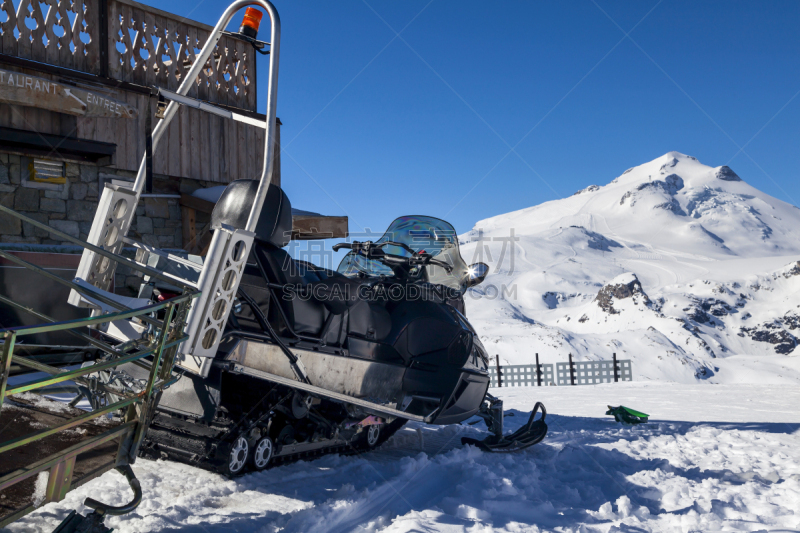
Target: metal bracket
{"x":209,"y":108}
{"x":218,"y":283}
{"x":111,"y":222}
{"x":58,"y":484}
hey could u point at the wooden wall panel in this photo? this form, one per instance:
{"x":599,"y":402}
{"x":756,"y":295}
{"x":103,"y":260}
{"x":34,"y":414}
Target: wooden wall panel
{"x":196,"y":145}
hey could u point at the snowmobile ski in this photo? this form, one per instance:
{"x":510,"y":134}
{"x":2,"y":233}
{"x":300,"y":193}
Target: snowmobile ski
{"x":529,"y":434}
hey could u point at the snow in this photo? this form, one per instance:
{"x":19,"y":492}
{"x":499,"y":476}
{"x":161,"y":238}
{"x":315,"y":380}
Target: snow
{"x":716,"y":258}
{"x":40,"y":488}
{"x":209,"y":194}
{"x":624,"y":279}
{"x":713,"y":458}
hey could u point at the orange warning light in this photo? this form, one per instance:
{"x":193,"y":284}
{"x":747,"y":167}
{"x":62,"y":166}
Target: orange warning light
{"x":251,"y":22}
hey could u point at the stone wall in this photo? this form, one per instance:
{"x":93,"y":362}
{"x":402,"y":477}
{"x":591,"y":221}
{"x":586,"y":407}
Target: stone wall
{"x":71,"y":207}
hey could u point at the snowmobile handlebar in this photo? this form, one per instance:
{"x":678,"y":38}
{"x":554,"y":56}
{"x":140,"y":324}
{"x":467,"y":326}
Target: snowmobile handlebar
{"x":374,"y":250}
{"x":367,"y":245}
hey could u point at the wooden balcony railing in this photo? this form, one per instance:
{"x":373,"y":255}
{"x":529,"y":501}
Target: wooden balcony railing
{"x":131,"y":42}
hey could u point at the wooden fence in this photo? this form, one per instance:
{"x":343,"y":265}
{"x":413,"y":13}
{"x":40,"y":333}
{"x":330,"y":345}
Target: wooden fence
{"x":130,"y":42}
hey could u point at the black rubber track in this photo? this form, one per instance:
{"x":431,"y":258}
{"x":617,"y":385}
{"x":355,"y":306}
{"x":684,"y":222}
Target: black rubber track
{"x":357,"y":447}
{"x":354,"y":448}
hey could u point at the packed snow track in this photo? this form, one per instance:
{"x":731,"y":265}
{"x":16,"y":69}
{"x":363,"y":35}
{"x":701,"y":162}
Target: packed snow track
{"x":713,"y":458}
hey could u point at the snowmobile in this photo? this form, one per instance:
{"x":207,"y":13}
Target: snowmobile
{"x":315,"y":361}
{"x":282,"y":359}
{"x":246,"y":357}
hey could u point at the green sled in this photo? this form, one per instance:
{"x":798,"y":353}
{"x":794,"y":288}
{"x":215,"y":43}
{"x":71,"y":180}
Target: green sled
{"x":626,"y":415}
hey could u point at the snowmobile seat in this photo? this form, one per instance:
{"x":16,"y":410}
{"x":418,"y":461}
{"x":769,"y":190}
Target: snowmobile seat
{"x":313,"y":301}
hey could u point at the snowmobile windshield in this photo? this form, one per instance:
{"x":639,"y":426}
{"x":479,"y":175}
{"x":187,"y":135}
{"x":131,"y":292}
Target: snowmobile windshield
{"x":422,"y":234}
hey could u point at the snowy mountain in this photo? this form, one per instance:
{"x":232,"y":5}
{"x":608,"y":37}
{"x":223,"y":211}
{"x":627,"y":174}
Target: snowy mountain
{"x":685,"y":269}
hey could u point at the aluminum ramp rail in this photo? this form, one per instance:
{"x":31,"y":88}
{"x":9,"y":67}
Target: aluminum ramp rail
{"x":109,"y":443}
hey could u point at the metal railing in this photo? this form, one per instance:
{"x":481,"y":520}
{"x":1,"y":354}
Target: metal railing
{"x":163,"y":327}
{"x":593,"y":372}
{"x":522,"y":375}
{"x":568,"y":373}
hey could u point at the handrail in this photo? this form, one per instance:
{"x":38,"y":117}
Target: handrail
{"x":162,"y":347}
{"x":96,"y":249}
{"x":78,"y":372}
{"x":91,"y":340}
{"x":72,"y":422}
{"x":83,"y":290}
{"x":92,"y":321}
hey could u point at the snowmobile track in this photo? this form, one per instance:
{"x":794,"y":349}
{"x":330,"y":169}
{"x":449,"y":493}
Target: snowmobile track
{"x":200,"y":457}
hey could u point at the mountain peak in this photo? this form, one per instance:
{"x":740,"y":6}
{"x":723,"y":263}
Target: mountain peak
{"x":673,"y":201}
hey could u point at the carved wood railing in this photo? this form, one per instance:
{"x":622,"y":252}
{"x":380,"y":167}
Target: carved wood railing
{"x":128,"y":41}
{"x":66,"y":35}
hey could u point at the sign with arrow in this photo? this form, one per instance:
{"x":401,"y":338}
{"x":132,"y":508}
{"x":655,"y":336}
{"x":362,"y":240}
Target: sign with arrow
{"x":21,"y":89}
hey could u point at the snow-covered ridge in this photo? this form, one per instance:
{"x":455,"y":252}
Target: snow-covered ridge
{"x":710,"y":262}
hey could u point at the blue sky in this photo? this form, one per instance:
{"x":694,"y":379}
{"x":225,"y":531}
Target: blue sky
{"x":378,"y":125}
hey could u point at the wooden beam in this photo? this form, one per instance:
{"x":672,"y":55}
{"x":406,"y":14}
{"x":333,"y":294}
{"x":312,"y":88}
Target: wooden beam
{"x":198,"y":204}
{"x":57,"y":146}
{"x":306,"y":228}
{"x":188,"y":221}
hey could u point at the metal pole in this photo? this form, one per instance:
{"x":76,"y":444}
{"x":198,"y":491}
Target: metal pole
{"x":538,"y":372}
{"x":190,"y":79}
{"x":148,"y":153}
{"x":571,"y":370}
{"x":147,"y":394}
{"x":272,"y":97}
{"x":616,"y":376}
{"x":499,"y":374}
{"x":5,"y":364}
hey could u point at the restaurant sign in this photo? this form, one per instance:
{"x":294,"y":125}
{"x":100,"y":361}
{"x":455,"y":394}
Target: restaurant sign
{"x":21,"y":89}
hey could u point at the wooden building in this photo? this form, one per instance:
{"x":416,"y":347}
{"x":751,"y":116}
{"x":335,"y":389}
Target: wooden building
{"x":54,"y":161}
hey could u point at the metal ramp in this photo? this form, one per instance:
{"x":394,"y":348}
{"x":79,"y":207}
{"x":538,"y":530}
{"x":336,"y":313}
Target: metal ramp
{"x":69,"y":445}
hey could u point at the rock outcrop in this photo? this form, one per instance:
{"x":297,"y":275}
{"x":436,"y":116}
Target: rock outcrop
{"x":624,"y":286}
{"x":726,"y":174}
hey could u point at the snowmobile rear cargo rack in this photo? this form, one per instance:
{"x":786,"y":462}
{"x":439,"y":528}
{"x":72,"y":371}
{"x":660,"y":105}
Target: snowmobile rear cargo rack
{"x":218,"y":277}
{"x":178,"y":330}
